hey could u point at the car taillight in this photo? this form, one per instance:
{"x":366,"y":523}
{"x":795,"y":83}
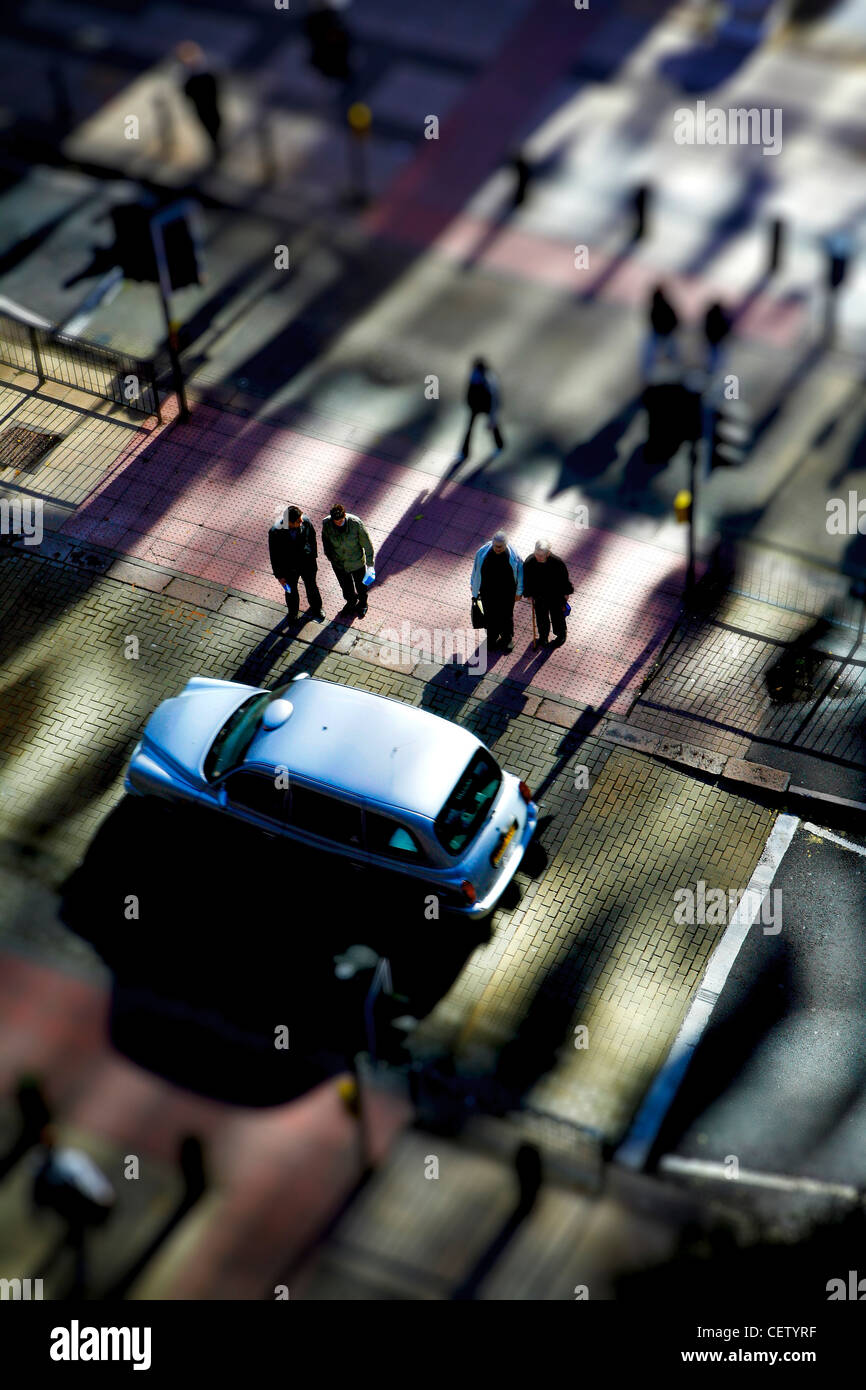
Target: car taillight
{"x":468,"y":890}
{"x":525,"y":792}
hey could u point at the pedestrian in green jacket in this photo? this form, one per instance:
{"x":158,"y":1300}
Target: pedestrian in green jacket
{"x":347,"y":546}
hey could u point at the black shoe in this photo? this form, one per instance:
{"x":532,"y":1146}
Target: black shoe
{"x":507,"y":647}
{"x":362,"y":611}
{"x":318,"y":616}
{"x":558,"y":642}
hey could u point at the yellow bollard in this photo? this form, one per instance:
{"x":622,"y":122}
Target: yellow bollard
{"x":347,"y":1090}
{"x":683,"y":506}
{"x":360,"y":118}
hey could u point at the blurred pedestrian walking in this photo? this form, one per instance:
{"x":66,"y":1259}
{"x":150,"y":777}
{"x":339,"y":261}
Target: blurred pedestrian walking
{"x":201,"y":88}
{"x":497,"y":580}
{"x":661,"y":345}
{"x":330,"y":41}
{"x":293,"y":551}
{"x":546,"y":583}
{"x":348,"y":547}
{"x":717,"y":326}
{"x":482,"y":397}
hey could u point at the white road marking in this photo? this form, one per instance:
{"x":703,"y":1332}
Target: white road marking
{"x":705,"y":1168}
{"x":837,"y":839}
{"x":634,"y":1150}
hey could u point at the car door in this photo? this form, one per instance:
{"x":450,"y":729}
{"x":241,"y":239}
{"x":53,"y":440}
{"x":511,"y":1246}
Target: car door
{"x":394,"y":843}
{"x":335,"y":822}
{"x":253,"y":794}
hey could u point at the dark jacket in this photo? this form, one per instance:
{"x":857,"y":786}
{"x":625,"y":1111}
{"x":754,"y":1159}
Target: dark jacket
{"x":548,"y":580}
{"x":482,"y":393}
{"x":290,"y":555}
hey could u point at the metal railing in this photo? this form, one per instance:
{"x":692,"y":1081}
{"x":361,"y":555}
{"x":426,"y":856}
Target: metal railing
{"x":51,"y":355}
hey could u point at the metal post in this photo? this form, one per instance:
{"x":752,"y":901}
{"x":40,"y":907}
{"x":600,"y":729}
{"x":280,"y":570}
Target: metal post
{"x":37,"y":357}
{"x":164,"y":286}
{"x":776,"y":229}
{"x":155,"y":390}
{"x":838,"y":249}
{"x":381,"y":984}
{"x":266,"y":148}
{"x":693,"y":516}
{"x":359,"y":120}
{"x":641,"y":199}
{"x":174,"y":358}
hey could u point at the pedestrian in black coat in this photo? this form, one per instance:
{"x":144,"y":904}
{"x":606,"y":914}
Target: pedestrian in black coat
{"x":201,"y":89}
{"x":293,"y":550}
{"x":482,"y":397}
{"x":546,"y":582}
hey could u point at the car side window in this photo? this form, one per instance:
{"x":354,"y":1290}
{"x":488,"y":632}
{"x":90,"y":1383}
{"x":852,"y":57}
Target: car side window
{"x":392,"y":840}
{"x":327,"y":816}
{"x":257,"y":792}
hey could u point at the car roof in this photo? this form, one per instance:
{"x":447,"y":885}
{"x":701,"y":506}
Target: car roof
{"x":372,"y":747}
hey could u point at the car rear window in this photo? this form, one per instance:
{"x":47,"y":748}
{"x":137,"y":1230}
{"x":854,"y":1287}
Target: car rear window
{"x":392,"y":840}
{"x":467,"y":807}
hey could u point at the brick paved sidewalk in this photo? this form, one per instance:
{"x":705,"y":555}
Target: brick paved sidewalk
{"x":780,"y":680}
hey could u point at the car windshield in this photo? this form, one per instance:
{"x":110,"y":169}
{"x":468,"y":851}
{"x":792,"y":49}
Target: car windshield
{"x":467,"y":807}
{"x":235,"y":736}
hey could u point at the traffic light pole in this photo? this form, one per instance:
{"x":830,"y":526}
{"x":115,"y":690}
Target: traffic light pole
{"x":174,"y":358}
{"x":164,"y":285}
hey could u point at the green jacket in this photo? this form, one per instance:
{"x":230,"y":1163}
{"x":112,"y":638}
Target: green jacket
{"x":347,"y":547}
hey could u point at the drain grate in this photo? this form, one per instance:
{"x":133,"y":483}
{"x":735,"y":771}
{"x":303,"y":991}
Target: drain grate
{"x":21,"y":447}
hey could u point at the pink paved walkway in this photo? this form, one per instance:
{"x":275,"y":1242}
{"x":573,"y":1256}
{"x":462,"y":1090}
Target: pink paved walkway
{"x":200,"y":499}
{"x":280,"y":1172}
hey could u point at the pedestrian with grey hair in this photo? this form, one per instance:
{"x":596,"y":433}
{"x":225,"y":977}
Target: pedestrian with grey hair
{"x":497,"y":580}
{"x":546,"y":583}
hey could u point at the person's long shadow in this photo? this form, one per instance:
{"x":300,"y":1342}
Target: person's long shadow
{"x":589,"y":718}
{"x":272,"y":647}
{"x":734,"y":220}
{"x":615,"y":261}
{"x":539,"y":169}
{"x":592,"y":458}
{"x":528,"y":1168}
{"x":278,"y":642}
{"x":530,"y":662}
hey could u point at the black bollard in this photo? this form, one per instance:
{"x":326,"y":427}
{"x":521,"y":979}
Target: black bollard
{"x":641,"y":199}
{"x":776,"y":230}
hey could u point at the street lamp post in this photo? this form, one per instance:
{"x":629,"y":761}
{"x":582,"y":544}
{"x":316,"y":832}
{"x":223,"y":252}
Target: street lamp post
{"x":685,"y":502}
{"x":359,"y":119}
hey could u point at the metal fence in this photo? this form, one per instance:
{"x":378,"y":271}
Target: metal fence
{"x":51,"y":355}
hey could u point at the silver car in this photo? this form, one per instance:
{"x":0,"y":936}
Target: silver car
{"x":380,"y":782}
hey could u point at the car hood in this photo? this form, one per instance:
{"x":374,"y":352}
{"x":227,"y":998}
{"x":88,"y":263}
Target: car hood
{"x":181,"y":730}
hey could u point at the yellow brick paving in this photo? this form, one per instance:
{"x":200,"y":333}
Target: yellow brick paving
{"x":599,"y":934}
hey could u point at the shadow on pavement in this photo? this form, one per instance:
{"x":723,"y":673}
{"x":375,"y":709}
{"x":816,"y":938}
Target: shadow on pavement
{"x":218,"y":936}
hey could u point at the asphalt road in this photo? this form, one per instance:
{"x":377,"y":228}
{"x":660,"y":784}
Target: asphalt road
{"x":778,"y":1079}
